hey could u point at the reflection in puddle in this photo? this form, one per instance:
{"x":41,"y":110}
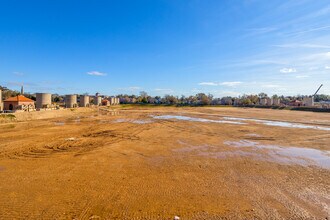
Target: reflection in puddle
{"x":61,"y":123}
{"x":272,"y":153}
{"x":296,"y":155}
{"x":190,"y":148}
{"x":279,"y":123}
{"x":121,"y":120}
{"x":108,"y":112}
{"x":77,"y":121}
{"x":186,"y":118}
{"x":103,"y":121}
{"x":253,"y":135}
{"x":156,"y":160}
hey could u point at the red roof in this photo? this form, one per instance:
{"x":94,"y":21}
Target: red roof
{"x":295,"y":101}
{"x":19,"y":98}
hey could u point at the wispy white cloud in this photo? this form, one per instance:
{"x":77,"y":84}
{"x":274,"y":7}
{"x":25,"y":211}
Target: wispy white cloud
{"x":320,"y":28}
{"x":96,"y":73}
{"x":131,"y":88}
{"x":226,"y":93}
{"x":12,"y":83}
{"x":164,"y":91}
{"x":18,"y":74}
{"x":302,"y":46}
{"x":231,"y":84}
{"x":262,"y":30}
{"x":208,"y":84}
{"x":270,"y":86}
{"x":302,"y":76}
{"x":288,"y":70}
{"x":327,"y":67}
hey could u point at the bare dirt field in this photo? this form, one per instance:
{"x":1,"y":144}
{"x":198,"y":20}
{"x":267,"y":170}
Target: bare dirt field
{"x":161,"y":162}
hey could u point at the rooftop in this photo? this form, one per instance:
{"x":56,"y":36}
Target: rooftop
{"x":19,"y":98}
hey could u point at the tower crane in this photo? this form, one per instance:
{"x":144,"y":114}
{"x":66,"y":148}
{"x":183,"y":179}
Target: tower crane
{"x":317,"y":90}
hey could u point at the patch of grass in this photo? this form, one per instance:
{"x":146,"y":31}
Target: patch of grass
{"x":8,"y":116}
{"x":9,"y":126}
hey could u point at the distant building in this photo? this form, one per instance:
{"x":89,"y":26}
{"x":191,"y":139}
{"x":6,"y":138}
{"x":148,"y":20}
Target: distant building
{"x":19,"y":102}
{"x":105,"y":102}
{"x":1,"y":103}
{"x":269,"y":101}
{"x":263,"y":101}
{"x":97,"y":99}
{"x":295,"y":103}
{"x":237,"y":102}
{"x":226,"y":101}
{"x":276,"y":101}
{"x":114,"y":100}
{"x":308,"y":101}
{"x":324,"y":104}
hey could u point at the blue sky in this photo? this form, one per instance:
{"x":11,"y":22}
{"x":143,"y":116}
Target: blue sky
{"x":223,"y":47}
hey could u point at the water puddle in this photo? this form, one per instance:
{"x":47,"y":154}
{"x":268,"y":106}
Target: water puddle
{"x":186,"y":118}
{"x":287,"y":155}
{"x":61,"y":123}
{"x":104,"y":121}
{"x":272,"y":153}
{"x":253,"y":135}
{"x":156,"y":160}
{"x":190,"y":148}
{"x":280,"y":123}
{"x":226,"y":154}
{"x":136,"y":121}
{"x":77,"y":120}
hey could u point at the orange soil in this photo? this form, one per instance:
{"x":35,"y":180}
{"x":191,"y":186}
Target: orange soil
{"x":113,"y":165}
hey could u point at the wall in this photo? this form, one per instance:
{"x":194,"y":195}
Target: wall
{"x":16,"y":104}
{"x":1,"y":103}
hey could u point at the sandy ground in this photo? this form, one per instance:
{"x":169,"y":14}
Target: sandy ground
{"x":161,"y":162}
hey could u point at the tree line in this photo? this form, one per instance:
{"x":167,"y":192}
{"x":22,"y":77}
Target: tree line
{"x":198,"y":99}
{"x":209,"y":99}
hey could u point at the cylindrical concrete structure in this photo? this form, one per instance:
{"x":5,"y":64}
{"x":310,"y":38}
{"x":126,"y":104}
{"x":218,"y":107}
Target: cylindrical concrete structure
{"x":44,"y":100}
{"x":97,"y":100}
{"x":71,"y":101}
{"x":84,"y":101}
{"x":112,"y":101}
{"x":1,"y":104}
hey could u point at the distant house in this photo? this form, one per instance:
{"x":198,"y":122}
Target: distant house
{"x":19,"y":102}
{"x":324,"y":104}
{"x":296,"y":103}
{"x":308,"y":101}
{"x":226,"y":101}
{"x":105,"y":102}
{"x":276,"y":101}
{"x":263,"y":101}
